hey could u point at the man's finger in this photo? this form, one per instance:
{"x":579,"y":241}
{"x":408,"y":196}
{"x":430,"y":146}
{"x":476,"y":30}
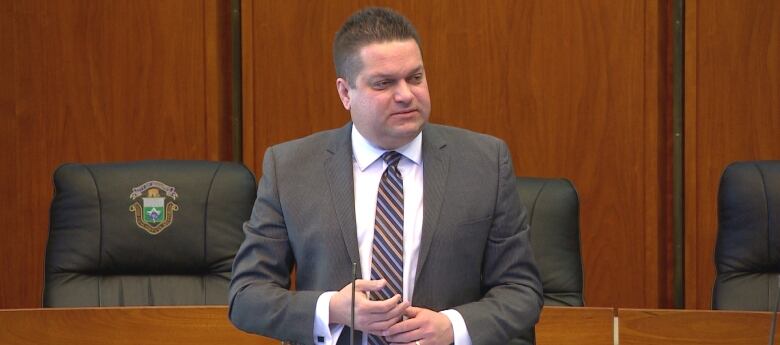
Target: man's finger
{"x":394,"y":313}
{"x":399,"y":309}
{"x":369,"y":285}
{"x":400,"y":331}
{"x":381,"y":325}
{"x":412,"y":312}
{"x":383,"y":306}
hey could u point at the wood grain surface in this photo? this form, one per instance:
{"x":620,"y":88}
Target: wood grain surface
{"x":120,"y":326}
{"x":693,"y":327}
{"x":210,"y":325}
{"x":732,"y":113}
{"x":563,"y":325}
{"x":100,"y":81}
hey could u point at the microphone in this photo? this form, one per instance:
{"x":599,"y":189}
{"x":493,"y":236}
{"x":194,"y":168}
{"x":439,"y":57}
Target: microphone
{"x":352,"y":307}
{"x":774,"y":314}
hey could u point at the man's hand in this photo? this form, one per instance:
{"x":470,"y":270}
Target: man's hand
{"x":370,"y":316}
{"x":423,"y":325}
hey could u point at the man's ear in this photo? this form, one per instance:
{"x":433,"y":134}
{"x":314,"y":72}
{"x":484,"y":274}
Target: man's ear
{"x":342,"y":87}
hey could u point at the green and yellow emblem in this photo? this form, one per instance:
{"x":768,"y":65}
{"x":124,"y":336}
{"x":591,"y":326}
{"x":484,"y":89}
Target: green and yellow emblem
{"x":153,"y":206}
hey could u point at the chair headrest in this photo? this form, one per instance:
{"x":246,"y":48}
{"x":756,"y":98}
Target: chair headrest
{"x":171,"y":217}
{"x":749,"y":218}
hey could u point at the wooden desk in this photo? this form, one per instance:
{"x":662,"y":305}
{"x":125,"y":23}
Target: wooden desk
{"x":209,"y":325}
{"x":586,"y":326}
{"x":123,"y":326}
{"x":689,"y":327}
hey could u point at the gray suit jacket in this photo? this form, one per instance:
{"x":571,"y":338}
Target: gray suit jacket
{"x":475,"y":254}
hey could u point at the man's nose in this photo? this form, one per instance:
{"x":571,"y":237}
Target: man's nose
{"x":403,"y":92}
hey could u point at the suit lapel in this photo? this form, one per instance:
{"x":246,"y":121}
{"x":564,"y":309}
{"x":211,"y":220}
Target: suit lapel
{"x":435,"y":171}
{"x":338,"y":168}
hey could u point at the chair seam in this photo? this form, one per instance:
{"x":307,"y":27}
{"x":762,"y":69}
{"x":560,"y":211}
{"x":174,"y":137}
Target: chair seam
{"x":46,"y":253}
{"x":768,"y":230}
{"x":581,"y":292}
{"x":205,"y":224}
{"x":100,"y":230}
{"x":533,"y":205}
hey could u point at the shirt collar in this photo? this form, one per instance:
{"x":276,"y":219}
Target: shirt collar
{"x":366,"y":153}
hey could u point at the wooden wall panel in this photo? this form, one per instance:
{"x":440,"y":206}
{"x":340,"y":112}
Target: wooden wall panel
{"x":100,"y":81}
{"x":8,"y":171}
{"x":732,"y":112}
{"x":574,"y":87}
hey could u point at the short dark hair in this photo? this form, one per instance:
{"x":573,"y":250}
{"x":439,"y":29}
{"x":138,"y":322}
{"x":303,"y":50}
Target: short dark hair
{"x":369,"y":25}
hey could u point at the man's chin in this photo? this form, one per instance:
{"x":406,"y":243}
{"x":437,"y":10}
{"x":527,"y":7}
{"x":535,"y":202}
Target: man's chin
{"x":397,"y":138}
{"x":409,"y":130}
{"x":410,"y":123}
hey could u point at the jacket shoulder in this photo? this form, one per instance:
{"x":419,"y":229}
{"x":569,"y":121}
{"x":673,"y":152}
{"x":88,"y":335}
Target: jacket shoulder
{"x":311,"y":146}
{"x":462,"y":140}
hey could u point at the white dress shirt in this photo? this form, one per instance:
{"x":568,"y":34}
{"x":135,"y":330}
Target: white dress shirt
{"x":367,"y":171}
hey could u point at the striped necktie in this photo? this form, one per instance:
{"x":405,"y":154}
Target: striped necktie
{"x":387,"y":260}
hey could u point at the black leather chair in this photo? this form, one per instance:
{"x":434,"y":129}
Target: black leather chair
{"x":747,"y":252}
{"x":554,"y":214}
{"x":145,"y":233}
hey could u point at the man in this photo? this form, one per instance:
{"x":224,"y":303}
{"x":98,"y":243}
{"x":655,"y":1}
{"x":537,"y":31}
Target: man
{"x":429,"y":213}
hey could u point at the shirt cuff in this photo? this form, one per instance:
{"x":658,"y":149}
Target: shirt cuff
{"x":459,"y":332}
{"x":324,"y":332}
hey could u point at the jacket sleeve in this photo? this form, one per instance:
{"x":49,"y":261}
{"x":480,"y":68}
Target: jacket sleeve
{"x":260,"y":298}
{"x":513,"y":290}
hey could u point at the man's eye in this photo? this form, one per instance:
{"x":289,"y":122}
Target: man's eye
{"x":382,"y":84}
{"x":416,"y":79}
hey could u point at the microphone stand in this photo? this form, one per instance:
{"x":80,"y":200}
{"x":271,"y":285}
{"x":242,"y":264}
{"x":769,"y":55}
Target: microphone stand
{"x":352,"y":307}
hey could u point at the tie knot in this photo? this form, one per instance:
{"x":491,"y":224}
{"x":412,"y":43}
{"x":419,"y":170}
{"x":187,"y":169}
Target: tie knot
{"x":391,"y":158}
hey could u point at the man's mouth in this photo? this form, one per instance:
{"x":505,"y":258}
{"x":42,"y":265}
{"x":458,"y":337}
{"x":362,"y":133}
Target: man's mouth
{"x":404,"y":112}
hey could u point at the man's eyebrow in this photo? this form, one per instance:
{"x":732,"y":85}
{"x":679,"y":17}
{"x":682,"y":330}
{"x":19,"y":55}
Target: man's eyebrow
{"x":381,"y":76}
{"x":417,"y":70}
{"x":391,"y":76}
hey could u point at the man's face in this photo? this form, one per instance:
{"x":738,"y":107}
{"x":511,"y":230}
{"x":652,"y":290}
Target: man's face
{"x":390,"y":102}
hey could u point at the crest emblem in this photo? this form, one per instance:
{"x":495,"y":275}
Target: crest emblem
{"x":153,"y":206}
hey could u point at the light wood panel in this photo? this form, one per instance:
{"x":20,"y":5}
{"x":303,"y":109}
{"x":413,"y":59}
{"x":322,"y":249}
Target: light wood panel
{"x":732,"y":112}
{"x":693,"y":327}
{"x":564,"y":325}
{"x":210,"y":325}
{"x":123,"y":326}
{"x":10,"y":155}
{"x":100,"y":81}
{"x":575,"y":88}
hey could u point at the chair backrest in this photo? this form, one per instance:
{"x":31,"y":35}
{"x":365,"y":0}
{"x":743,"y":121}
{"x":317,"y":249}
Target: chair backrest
{"x":747,"y":251}
{"x":145,"y":233}
{"x":554,"y":215}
